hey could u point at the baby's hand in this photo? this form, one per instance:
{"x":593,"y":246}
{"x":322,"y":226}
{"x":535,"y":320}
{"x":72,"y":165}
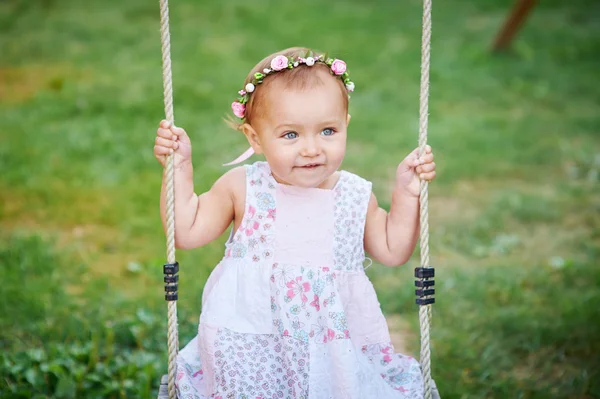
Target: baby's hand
{"x":169,"y":140}
{"x":412,"y":169}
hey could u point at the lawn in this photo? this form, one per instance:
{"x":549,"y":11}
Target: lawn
{"x":515,"y":212}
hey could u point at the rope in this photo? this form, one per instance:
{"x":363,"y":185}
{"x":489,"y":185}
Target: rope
{"x":172,"y":335}
{"x":425,"y":310}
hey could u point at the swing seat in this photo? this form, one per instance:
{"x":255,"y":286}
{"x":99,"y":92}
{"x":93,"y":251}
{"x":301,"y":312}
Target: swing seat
{"x":163,"y":392}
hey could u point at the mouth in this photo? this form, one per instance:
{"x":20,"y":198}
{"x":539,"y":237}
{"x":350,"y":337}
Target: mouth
{"x":311,"y":166}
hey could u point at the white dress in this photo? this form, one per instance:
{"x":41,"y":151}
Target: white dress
{"x":289,"y":311}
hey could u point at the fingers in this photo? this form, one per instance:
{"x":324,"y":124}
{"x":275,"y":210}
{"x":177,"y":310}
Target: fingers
{"x":424,"y":160}
{"x":427,"y":150}
{"x":166,"y":134}
{"x":167,"y":138}
{"x":165,"y":142}
{"x":162,"y":151}
{"x":177,"y":131}
{"x":426,"y":168}
{"x":427,"y":176}
{"x":427,"y":158}
{"x":166,"y":128}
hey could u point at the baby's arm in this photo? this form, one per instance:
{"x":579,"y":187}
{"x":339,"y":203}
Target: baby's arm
{"x":391,"y":238}
{"x":199,"y":219}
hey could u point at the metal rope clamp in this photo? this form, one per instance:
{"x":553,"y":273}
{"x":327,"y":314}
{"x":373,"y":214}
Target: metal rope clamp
{"x":425,"y":285}
{"x":171,"y":278}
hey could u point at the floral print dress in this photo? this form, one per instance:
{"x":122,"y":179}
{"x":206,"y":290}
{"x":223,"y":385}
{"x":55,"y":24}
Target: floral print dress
{"x":289,"y":311}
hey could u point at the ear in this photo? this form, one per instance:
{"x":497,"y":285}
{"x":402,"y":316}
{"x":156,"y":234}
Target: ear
{"x":252,"y":137}
{"x":348,"y":119}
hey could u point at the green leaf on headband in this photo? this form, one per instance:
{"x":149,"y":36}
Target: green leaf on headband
{"x":345,"y":76}
{"x":259,"y":76}
{"x":243,"y":99}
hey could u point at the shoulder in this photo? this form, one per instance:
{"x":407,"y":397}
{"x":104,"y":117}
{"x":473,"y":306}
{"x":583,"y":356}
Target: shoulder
{"x":373,"y":204}
{"x":232,"y":182}
{"x":235,"y":180}
{"x":232,"y":177}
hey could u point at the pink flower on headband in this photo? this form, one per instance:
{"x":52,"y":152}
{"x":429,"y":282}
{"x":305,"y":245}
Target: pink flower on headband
{"x":239,"y":109}
{"x":278,"y":63}
{"x":338,"y":67}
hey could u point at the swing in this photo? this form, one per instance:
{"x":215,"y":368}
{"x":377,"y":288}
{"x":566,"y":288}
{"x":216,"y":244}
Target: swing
{"x":424,"y":275}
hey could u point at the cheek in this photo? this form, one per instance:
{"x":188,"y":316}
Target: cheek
{"x":340,"y":153}
{"x":278,"y":154}
{"x":281,"y":151}
{"x":339,"y":147}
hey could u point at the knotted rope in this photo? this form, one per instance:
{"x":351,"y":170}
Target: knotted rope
{"x":425,"y":310}
{"x":172,"y":336}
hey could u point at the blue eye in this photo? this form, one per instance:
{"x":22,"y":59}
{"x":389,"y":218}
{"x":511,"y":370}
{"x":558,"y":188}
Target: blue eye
{"x":327,"y":132}
{"x":290,"y":135}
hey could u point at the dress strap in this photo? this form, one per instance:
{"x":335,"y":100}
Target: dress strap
{"x":352,"y":201}
{"x":258,"y":209}
{"x":258,"y":180}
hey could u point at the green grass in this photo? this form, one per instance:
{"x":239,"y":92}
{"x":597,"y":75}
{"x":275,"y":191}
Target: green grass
{"x":514,"y":212}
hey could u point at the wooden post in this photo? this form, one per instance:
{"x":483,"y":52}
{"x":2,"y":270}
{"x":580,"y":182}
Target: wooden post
{"x":512,"y":24}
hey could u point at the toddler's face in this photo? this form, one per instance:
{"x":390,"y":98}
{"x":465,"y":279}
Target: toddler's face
{"x":302,"y":132}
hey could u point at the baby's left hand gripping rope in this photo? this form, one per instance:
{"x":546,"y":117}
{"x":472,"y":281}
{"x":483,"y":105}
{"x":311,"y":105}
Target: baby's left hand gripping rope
{"x":172,"y":267}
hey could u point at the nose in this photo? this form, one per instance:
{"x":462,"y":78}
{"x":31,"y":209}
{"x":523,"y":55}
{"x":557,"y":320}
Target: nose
{"x":311,"y":147}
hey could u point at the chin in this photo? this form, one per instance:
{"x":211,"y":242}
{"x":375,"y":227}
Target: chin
{"x":309,"y":185}
{"x":313,"y":183}
{"x":305,"y":178}
{"x":302,"y":182}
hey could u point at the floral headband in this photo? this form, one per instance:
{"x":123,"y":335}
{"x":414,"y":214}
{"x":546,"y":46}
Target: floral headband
{"x":281,"y":62}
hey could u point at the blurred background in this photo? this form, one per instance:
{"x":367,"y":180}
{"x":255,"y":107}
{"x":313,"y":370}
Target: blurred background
{"x":515,"y":211}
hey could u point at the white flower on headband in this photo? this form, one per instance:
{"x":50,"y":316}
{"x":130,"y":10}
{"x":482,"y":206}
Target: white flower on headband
{"x":249,"y":88}
{"x":350,"y":86}
{"x":310,"y":61}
